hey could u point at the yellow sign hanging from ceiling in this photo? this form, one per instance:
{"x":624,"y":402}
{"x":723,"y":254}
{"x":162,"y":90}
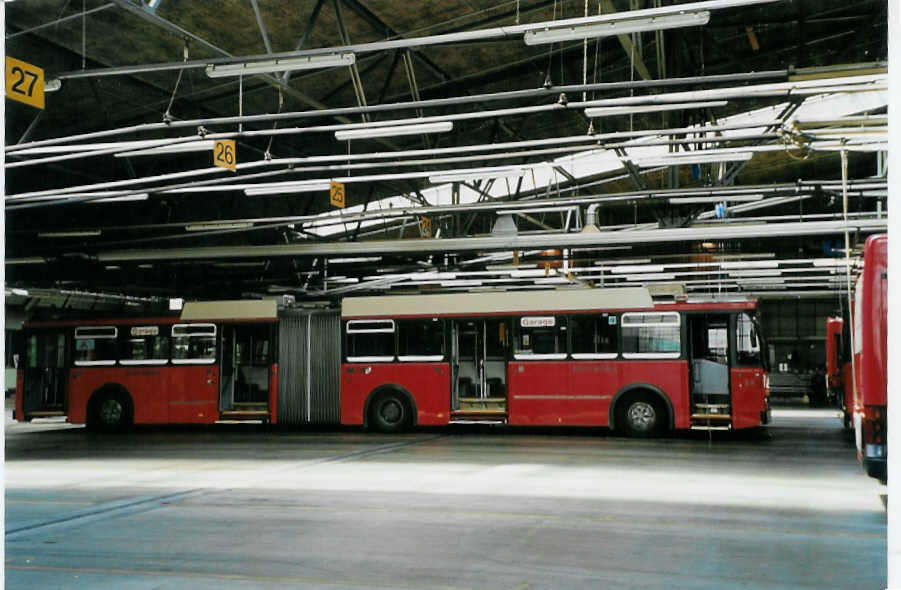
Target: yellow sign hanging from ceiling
{"x":337,"y":195}
{"x":224,"y":154}
{"x":24,"y":82}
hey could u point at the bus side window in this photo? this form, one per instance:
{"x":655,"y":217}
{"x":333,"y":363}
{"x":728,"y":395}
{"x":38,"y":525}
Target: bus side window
{"x":370,"y":341}
{"x":541,"y":337}
{"x":420,"y":340}
{"x":746,"y":344}
{"x":651,"y":335}
{"x":96,"y":346}
{"x":594,"y":336}
{"x":194,"y":344}
{"x":144,"y":345}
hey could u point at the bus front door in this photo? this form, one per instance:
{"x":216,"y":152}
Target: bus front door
{"x":478,"y":351}
{"x":711,"y":407}
{"x":44,"y":377}
{"x":245,"y":368}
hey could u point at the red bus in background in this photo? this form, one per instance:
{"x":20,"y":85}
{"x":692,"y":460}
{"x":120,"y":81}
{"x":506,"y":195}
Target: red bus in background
{"x":192,"y":369}
{"x":837,"y":368}
{"x":602,"y":357}
{"x":870,"y":355}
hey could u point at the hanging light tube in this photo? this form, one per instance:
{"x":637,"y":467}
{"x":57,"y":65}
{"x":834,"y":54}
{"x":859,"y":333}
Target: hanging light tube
{"x":204,"y":145}
{"x":616,"y":27}
{"x":653,"y":108}
{"x":307,"y":62}
{"x":716,"y":199}
{"x":207,"y":226}
{"x":393,"y":131}
{"x":700,"y":157}
{"x":70,"y":234}
{"x":464,"y":175}
{"x":279,"y":188}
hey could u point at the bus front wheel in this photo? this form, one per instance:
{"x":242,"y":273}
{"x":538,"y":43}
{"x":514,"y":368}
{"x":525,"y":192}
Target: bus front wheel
{"x":641,"y":415}
{"x":110,"y":411}
{"x":390,"y":412}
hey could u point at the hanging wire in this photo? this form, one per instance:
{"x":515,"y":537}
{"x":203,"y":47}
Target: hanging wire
{"x":281,"y":102}
{"x":550,"y":53}
{"x":84,"y":34}
{"x":167,"y":116}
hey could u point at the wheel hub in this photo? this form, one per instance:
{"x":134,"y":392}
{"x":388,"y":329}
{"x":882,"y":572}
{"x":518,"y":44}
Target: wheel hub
{"x":111,"y":411}
{"x":642,"y":416}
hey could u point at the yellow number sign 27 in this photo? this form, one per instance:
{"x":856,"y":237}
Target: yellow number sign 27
{"x":24,"y":82}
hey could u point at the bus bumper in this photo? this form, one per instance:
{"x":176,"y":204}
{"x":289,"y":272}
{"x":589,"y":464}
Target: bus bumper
{"x":875,"y":462}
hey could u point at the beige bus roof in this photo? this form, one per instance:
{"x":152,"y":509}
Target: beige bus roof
{"x":499,"y":302}
{"x":263,"y":309}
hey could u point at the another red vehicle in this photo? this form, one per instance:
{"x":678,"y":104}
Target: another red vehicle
{"x":194,"y":369}
{"x":870,"y":320}
{"x":837,"y":368}
{"x":552,"y":358}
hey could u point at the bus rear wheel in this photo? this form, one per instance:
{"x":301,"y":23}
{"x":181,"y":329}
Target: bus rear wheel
{"x":110,"y":411}
{"x":640,"y":415}
{"x":390,"y":412}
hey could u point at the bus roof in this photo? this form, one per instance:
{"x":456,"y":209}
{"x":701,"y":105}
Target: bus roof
{"x":261,"y":309}
{"x":498,"y":302}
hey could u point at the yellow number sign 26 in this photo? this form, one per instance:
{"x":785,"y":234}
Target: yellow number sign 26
{"x":224,"y":154}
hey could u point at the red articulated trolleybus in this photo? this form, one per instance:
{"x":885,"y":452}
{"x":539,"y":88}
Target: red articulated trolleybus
{"x":602,"y":357}
{"x":592,"y":357}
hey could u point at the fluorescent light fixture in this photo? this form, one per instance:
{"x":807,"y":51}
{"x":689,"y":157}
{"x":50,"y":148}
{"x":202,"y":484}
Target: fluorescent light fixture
{"x":755,"y":273}
{"x":714,"y":199}
{"x":699,"y":157}
{"x":475,"y":174}
{"x":549,"y":209}
{"x":70,"y":234}
{"x":19,"y":292}
{"x":218,"y":225}
{"x":654,"y":108}
{"x":134,"y":197}
{"x":280,"y":188}
{"x":394,"y":130}
{"x":308,"y":62}
{"x":52,"y":85}
{"x":108,"y":196}
{"x":203,"y":145}
{"x":636,"y":268}
{"x":749,"y":264}
{"x":354,"y":259}
{"x":616,"y":27}
{"x":661,"y":276}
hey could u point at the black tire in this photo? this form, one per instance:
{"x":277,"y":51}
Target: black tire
{"x":641,"y":415}
{"x":110,"y":411}
{"x":390,"y":412}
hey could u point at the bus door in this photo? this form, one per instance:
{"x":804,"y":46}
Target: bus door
{"x":45,"y":382}
{"x":479,"y":366}
{"x":708,"y":335}
{"x":245,"y":368}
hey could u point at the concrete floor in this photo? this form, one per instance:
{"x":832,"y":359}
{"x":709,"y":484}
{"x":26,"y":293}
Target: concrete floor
{"x":241,"y":507}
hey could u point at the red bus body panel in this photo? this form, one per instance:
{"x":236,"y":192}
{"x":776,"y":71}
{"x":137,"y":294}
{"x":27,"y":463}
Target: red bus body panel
{"x":871,"y":360}
{"x":749,"y":394}
{"x":20,"y":395}
{"x":579,"y":393}
{"x":162,"y":395}
{"x":427,"y":383}
{"x":273,"y":394}
{"x":834,"y":327}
